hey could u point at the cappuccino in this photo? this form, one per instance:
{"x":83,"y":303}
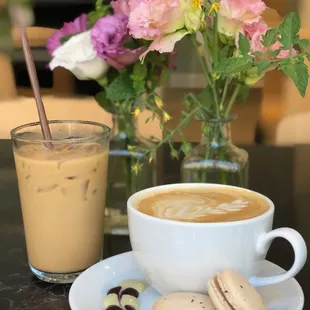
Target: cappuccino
{"x":204,"y":205}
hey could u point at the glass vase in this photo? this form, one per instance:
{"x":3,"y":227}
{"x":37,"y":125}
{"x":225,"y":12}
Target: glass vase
{"x":216,"y":159}
{"x":122,"y":182}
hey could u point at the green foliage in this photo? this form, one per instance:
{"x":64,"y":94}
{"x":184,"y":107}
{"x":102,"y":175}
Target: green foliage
{"x":205,"y":97}
{"x":66,"y":38}
{"x":257,"y":54}
{"x":273,"y":54}
{"x":262,"y":66}
{"x":163,"y":75}
{"x":244,"y":45}
{"x":186,"y":147}
{"x":104,"y":102}
{"x":101,"y":10}
{"x":121,"y":88}
{"x":289,"y":30}
{"x":298,"y":72}
{"x":271,"y":37}
{"x":224,"y":52}
{"x":303,"y":44}
{"x":139,"y":78}
{"x":139,"y":72}
{"x":233,"y":65}
{"x":243,"y":94}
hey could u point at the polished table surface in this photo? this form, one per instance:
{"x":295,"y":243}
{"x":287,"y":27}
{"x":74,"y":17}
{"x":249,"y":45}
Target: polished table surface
{"x":283,"y":174}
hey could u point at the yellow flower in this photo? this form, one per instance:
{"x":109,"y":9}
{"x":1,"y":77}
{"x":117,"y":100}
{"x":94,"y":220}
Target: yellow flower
{"x":151,"y":158}
{"x":136,"y":112}
{"x":166,"y":117}
{"x":136,"y":168}
{"x":196,"y":4}
{"x":131,"y":149}
{"x":159,"y":102}
{"x":215,"y":7}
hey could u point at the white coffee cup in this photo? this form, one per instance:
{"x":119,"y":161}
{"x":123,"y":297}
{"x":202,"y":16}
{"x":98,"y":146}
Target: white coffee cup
{"x":181,"y":256}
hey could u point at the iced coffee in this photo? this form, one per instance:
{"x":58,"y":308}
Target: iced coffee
{"x":62,"y":188}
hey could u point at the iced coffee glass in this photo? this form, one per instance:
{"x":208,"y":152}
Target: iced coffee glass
{"x":62,"y":186}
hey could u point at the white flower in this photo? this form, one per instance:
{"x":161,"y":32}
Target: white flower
{"x":78,"y":56}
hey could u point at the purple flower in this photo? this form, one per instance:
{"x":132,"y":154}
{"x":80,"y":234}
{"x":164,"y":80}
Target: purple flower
{"x":77,"y":26}
{"x":108,"y":37}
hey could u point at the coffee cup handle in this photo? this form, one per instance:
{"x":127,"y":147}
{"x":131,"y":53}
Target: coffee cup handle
{"x":300,"y":250}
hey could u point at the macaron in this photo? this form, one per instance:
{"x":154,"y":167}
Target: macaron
{"x":184,"y":301}
{"x":228,"y":290}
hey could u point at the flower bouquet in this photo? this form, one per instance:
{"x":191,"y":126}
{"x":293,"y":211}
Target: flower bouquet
{"x":99,"y":46}
{"x":235,"y":49}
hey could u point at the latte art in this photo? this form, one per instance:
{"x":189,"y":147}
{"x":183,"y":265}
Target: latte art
{"x":193,"y":208}
{"x":199,"y":205}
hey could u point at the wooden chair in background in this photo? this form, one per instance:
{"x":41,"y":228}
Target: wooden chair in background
{"x":60,"y":101}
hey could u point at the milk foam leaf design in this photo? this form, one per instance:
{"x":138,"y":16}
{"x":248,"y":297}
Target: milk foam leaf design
{"x":194,"y":208}
{"x":235,"y":206}
{"x":173,"y":208}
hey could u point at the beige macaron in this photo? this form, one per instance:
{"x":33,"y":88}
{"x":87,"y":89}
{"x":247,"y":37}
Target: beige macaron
{"x":184,"y":301}
{"x":230,"y":291}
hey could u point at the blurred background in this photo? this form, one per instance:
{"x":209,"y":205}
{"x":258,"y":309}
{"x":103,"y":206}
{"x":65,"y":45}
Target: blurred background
{"x":274,"y":113}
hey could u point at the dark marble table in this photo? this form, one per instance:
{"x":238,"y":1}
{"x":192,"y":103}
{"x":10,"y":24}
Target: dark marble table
{"x":283,"y":174}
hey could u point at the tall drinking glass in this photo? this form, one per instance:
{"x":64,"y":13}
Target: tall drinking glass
{"x":62,"y":186}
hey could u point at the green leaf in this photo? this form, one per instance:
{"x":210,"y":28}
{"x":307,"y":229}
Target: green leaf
{"x":301,"y":58}
{"x":104,"y":102}
{"x":304,"y":43}
{"x":139,"y":87}
{"x":270,"y":37}
{"x":174,"y":154}
{"x":139,"y":72}
{"x":200,"y":115}
{"x":100,"y":11}
{"x":163,"y":76}
{"x":206,"y":97}
{"x":243,"y":94}
{"x":244,"y":45}
{"x":308,"y":56}
{"x":187,"y":103}
{"x":233,"y":65}
{"x":121,"y":88}
{"x":66,"y":38}
{"x":186,"y":148}
{"x":224,"y":52}
{"x":273,"y":53}
{"x":298,"y":72}
{"x":258,"y":54}
{"x":262,"y":66}
{"x":289,"y":30}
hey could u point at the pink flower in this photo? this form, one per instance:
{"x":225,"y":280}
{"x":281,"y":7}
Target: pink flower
{"x":234,"y":13}
{"x":120,"y":7}
{"x":165,"y":22}
{"x":108,"y":37}
{"x":149,"y":19}
{"x":77,"y":26}
{"x":254,"y":33}
{"x":247,"y":11}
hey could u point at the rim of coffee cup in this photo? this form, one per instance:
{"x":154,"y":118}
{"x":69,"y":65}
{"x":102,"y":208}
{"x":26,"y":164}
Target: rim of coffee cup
{"x":140,"y":194}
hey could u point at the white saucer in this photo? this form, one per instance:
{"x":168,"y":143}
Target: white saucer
{"x":89,"y":289}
